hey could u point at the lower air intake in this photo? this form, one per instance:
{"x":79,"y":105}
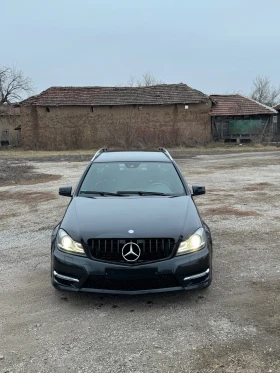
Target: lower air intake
{"x":161,"y":282}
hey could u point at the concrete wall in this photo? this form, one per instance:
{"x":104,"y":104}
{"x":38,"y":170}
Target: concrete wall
{"x":9,"y":123}
{"x":74,"y":127}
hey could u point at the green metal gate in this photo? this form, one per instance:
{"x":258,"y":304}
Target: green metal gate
{"x":245,"y":127}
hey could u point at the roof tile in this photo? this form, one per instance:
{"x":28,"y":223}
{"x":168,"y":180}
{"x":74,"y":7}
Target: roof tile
{"x":163,"y":94}
{"x":237,"y":105}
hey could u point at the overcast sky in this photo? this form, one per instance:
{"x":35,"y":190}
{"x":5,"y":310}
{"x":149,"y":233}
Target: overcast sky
{"x":216,"y":46}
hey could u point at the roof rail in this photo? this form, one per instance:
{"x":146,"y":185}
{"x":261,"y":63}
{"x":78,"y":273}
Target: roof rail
{"x":100,"y":151}
{"x":166,"y":152}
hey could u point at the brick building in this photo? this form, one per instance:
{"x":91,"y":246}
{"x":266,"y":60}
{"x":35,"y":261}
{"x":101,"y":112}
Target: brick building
{"x":88,"y":117}
{"x":9,"y":125}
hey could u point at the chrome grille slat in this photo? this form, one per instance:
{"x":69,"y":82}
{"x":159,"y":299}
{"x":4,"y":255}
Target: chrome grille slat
{"x":110,"y":250}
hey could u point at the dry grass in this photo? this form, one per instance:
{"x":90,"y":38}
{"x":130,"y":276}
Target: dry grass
{"x":230,"y":166}
{"x":20,"y":173}
{"x":7,"y":216}
{"x":18,"y":152}
{"x":196,"y":172}
{"x":258,"y":186}
{"x":28,"y":197}
{"x":218,"y":196}
{"x":41,"y":178}
{"x":227,"y":210}
{"x":243,"y":166}
{"x":217,"y":147}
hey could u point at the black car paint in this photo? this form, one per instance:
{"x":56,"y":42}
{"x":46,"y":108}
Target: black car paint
{"x":82,"y":267}
{"x":148,"y":216}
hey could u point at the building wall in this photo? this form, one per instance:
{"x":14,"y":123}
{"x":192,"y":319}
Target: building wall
{"x":84,"y":127}
{"x":29,"y":127}
{"x":9,"y":123}
{"x":278,"y":125}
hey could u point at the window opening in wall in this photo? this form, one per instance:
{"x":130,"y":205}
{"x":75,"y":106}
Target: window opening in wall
{"x":5,"y":134}
{"x":139,"y":107}
{"x":186,"y":107}
{"x":92,"y":109}
{"x":47,"y":109}
{"x":274,"y":119}
{"x":5,"y":138}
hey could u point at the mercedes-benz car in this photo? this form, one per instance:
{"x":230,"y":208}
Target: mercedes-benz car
{"x":131,"y":227}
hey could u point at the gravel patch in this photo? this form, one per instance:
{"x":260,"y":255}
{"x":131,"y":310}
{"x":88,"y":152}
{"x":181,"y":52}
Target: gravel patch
{"x":234,"y":326}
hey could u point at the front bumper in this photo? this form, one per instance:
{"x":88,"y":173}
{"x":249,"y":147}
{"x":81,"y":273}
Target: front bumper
{"x":75,"y":273}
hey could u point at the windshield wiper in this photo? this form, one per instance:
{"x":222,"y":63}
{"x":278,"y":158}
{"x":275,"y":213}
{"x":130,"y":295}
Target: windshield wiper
{"x":101,"y":193}
{"x":142,"y":193}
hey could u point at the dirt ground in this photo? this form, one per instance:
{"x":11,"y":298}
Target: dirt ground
{"x":234,"y":326}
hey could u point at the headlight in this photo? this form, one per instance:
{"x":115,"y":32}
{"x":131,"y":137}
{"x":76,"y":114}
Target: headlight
{"x":196,"y":242}
{"x":66,"y":243}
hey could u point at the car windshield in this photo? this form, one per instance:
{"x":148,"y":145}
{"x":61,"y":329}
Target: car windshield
{"x":143,"y":178}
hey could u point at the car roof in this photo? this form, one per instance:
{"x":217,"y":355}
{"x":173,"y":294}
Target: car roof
{"x":132,"y":156}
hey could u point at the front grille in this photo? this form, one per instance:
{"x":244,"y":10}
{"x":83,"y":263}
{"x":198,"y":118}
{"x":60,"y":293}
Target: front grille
{"x":110,"y":250}
{"x":160,"y":282}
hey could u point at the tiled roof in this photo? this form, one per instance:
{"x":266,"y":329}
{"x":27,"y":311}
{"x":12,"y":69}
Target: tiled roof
{"x":163,"y":94}
{"x":277,"y":107}
{"x":237,"y":105}
{"x":9,"y":110}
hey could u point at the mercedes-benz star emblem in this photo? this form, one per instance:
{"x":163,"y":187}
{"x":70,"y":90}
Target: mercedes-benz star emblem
{"x":131,"y":252}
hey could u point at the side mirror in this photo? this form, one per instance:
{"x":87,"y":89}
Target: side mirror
{"x":198,"y":190}
{"x":65,"y":191}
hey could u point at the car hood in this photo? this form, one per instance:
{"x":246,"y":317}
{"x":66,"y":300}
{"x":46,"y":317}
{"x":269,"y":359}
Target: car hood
{"x":148,"y":217}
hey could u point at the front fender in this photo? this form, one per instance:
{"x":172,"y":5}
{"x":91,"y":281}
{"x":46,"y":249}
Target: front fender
{"x":54,"y":233}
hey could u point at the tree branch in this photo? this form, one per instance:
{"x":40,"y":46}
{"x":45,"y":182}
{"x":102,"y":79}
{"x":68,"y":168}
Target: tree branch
{"x":264,"y":92}
{"x":13,"y":85}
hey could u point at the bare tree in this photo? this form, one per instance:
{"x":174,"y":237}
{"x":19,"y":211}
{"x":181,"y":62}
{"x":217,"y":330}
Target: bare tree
{"x":13,"y":85}
{"x":264,"y":92}
{"x":146,"y":80}
{"x":132,"y":82}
